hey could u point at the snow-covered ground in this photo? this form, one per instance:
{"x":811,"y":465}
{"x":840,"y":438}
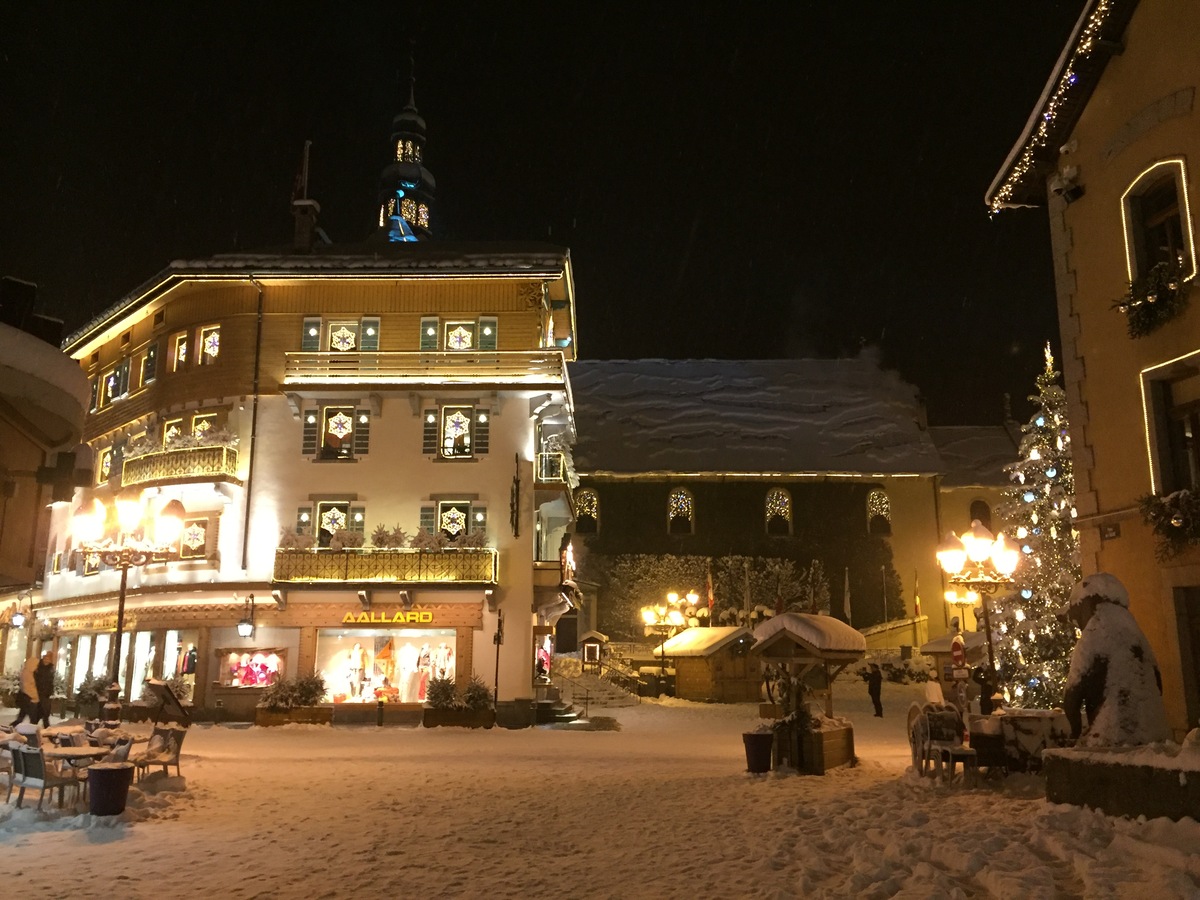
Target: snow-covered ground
{"x":662,"y":808}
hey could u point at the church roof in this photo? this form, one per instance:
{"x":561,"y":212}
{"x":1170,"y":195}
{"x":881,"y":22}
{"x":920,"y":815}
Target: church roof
{"x":974,"y":455}
{"x":822,"y":417}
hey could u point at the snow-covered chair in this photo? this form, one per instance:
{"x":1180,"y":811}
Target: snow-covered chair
{"x":163,"y":750}
{"x":944,"y":732}
{"x":32,"y":771}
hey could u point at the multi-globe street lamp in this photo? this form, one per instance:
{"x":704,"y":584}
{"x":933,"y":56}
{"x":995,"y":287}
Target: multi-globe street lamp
{"x":982,"y":565}
{"x":664,"y":618}
{"x":141,"y":536}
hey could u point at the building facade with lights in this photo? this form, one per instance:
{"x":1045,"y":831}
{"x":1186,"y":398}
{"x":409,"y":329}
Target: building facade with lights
{"x":1111,"y":152}
{"x":371,"y":445}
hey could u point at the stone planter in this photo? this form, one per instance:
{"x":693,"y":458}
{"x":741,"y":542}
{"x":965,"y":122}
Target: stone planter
{"x":301,"y":715}
{"x":462,"y":718}
{"x":87,"y":709}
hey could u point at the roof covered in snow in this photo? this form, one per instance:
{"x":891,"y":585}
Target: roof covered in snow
{"x":707,"y":416}
{"x":701,"y":641}
{"x":974,"y":455}
{"x":972,"y":640}
{"x":821,"y":634}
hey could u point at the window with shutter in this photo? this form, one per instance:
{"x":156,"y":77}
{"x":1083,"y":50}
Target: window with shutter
{"x":362,"y":432}
{"x":358,"y":519}
{"x":429,"y":432}
{"x":308,"y":443}
{"x":150,"y":364}
{"x":478,"y":519}
{"x":369,"y":334}
{"x":304,"y":520}
{"x":483,"y":420}
{"x":487,"y":333}
{"x":429,"y":333}
{"x":310,"y":337}
{"x":428,"y":518}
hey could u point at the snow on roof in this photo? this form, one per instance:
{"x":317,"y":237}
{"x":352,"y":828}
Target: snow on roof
{"x":974,"y":455}
{"x":754,"y":416}
{"x":701,"y":641}
{"x":598,"y":635}
{"x":822,"y":633}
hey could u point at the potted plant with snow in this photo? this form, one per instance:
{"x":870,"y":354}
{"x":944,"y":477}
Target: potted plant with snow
{"x":296,"y":700}
{"x":444,"y":706}
{"x":90,"y":696}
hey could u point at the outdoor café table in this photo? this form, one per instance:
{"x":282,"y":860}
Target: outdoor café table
{"x":72,"y":754}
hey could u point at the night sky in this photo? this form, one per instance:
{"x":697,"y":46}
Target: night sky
{"x":734,"y":180}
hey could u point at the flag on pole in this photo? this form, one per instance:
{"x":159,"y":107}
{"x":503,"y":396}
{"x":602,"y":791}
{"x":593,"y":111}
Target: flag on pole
{"x":846,"y":597}
{"x":916,"y":595}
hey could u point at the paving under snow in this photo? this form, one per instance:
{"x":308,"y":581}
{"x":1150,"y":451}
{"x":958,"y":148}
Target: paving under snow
{"x":663,"y":808}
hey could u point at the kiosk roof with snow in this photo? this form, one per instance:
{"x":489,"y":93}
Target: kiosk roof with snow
{"x":702,"y":641}
{"x":804,"y":637}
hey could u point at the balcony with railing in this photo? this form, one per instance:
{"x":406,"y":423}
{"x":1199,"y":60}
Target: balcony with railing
{"x":181,"y":465}
{"x":551,"y":468}
{"x":466,"y":565}
{"x":405,"y":368}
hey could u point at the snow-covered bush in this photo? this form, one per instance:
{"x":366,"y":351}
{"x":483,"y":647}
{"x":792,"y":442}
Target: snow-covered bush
{"x":440,"y":694}
{"x":290,"y":693}
{"x":92,"y":690}
{"x":213,"y":437}
{"x":895,"y":669}
{"x":430,"y":540}
{"x":477,"y":695}
{"x":385,"y":538}
{"x":345,"y":539}
{"x":290,"y":540}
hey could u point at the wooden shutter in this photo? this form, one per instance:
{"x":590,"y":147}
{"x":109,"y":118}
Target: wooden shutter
{"x":310,"y":337}
{"x":482,"y":431}
{"x":312,"y":426}
{"x":429,"y":333}
{"x":429,"y":431}
{"x":487,"y":332}
{"x":429,"y":518}
{"x":368,"y":335}
{"x":476,"y":523}
{"x":362,"y":431}
{"x":357,"y":519}
{"x":304,"y":520}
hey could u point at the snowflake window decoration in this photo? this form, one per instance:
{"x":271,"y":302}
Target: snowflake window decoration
{"x":201,"y":425}
{"x":408,"y":209}
{"x":456,"y":432}
{"x":453,"y":521}
{"x":212,"y":344}
{"x":332,"y":520}
{"x":181,"y":350}
{"x":459,"y":339}
{"x":340,"y":425}
{"x":194,"y":536}
{"x":423,"y":216}
{"x":171,"y":432}
{"x":105,"y":464}
{"x":342,"y":340}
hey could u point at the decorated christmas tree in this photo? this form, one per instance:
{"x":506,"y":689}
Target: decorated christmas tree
{"x":1033,"y":647}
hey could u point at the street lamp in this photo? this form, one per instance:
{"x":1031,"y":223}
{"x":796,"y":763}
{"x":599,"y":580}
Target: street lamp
{"x":141,"y":537}
{"x":245,"y":628}
{"x":664,"y":618}
{"x":981,"y":565}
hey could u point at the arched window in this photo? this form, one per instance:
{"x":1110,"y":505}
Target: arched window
{"x":1157,"y":227}
{"x":981,"y":511}
{"x":587,"y":511}
{"x":779,"y":511}
{"x":681,"y":511}
{"x":879,"y":512}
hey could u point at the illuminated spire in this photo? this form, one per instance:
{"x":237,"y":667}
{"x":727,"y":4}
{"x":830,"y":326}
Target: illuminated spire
{"x":406,"y":187}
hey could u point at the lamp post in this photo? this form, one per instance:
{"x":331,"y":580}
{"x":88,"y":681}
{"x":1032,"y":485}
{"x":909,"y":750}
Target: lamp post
{"x":245,"y":628}
{"x":663,"y":618}
{"x":141,"y":537}
{"x":982,"y":565}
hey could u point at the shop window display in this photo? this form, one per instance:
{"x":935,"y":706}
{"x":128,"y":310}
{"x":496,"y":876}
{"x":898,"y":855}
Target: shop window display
{"x":257,"y":667}
{"x":395,"y":665}
{"x":180,"y":655}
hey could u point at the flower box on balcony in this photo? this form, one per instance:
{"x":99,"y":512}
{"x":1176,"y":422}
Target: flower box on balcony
{"x":182,"y":464}
{"x":457,"y":565}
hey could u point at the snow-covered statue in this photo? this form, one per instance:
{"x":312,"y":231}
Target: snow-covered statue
{"x":1113,"y":673}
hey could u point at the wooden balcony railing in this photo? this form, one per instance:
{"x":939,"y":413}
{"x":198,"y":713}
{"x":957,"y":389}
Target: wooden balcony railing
{"x":551,"y":467}
{"x":468,"y":565}
{"x":420,"y":367}
{"x":181,"y":465}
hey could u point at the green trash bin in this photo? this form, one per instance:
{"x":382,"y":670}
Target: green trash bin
{"x":759,"y":745}
{"x":108,"y":787}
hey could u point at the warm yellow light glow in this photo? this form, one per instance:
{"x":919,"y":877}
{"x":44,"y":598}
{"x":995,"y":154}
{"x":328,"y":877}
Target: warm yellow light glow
{"x":1005,"y":555}
{"x":672,"y":597}
{"x":129,"y":515}
{"x":87,"y":524}
{"x":675,"y":617}
{"x":951,"y":554}
{"x":648,"y":616}
{"x":169,"y":523}
{"x":977,"y":541}
{"x":692,"y":598}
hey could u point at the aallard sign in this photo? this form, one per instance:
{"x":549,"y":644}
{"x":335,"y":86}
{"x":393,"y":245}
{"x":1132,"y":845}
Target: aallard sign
{"x":412,"y":617}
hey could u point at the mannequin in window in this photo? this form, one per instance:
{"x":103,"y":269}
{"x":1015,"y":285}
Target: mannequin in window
{"x":357,"y":666}
{"x":424,"y":669}
{"x":189,"y":664}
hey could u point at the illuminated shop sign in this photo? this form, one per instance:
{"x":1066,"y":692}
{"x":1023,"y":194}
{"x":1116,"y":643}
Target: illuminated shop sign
{"x":415,"y":617}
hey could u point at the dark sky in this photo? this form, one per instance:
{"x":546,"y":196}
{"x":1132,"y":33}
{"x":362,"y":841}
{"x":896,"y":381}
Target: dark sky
{"x":743,"y":179}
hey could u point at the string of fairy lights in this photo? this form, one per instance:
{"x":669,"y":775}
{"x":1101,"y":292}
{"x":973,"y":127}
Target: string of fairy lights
{"x":1088,"y":39}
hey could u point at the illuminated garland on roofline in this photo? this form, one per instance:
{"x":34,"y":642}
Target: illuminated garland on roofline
{"x":1083,"y":49}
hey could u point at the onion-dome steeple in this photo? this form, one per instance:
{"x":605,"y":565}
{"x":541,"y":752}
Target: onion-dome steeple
{"x":406,"y":187}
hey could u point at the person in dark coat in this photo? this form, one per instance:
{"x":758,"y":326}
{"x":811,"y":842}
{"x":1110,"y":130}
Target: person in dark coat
{"x":874,"y":687}
{"x":43,"y":677}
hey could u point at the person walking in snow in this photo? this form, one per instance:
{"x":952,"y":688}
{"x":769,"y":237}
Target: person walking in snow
{"x":27,"y":694}
{"x":1113,"y":675}
{"x":43,"y":676}
{"x":874,"y":687}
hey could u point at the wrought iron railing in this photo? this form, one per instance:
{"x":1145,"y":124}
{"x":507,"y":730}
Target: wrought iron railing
{"x":467,"y":565}
{"x":420,"y":367}
{"x":181,"y":464}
